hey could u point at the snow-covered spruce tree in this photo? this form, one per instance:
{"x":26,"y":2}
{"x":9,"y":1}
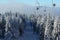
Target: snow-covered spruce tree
{"x":2,"y":26}
{"x":59,"y":31}
{"x":38,"y":24}
{"x":42,"y":27}
{"x":7,"y":23}
{"x":55,"y":30}
{"x":48,"y":28}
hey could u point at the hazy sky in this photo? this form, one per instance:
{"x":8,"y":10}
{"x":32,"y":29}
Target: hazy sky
{"x":30,"y":2}
{"x":25,"y":6}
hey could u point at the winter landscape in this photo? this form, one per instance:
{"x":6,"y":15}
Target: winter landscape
{"x":29,"y":20}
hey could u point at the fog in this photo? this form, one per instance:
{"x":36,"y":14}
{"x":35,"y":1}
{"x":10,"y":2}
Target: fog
{"x":28,"y":9}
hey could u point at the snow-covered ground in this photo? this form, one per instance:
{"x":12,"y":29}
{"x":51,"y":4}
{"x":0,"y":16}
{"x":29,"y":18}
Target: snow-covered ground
{"x":28,"y":35}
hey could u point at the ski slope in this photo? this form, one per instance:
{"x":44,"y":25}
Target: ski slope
{"x":28,"y":34}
